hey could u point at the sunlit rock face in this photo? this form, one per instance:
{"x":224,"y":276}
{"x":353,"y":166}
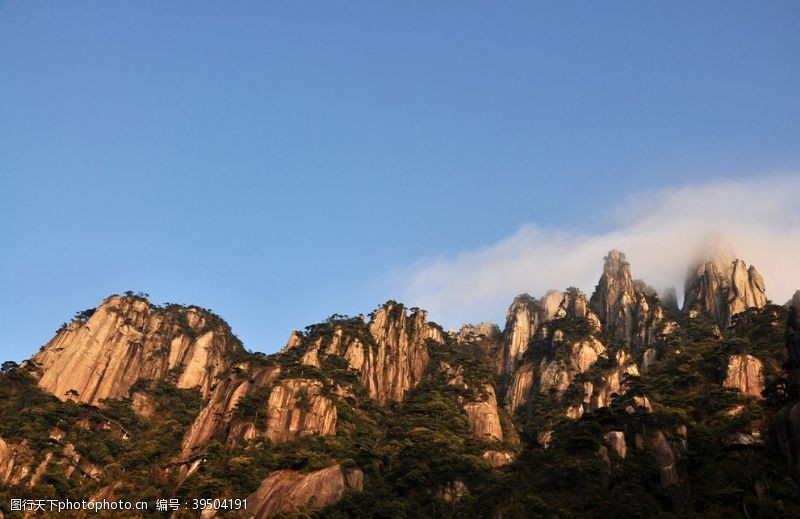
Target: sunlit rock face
{"x":553,"y":375}
{"x":490,"y":339}
{"x":127,"y":339}
{"x":297,"y":408}
{"x":470,"y":332}
{"x":400,"y":357}
{"x":627,"y":309}
{"x":484,"y":420}
{"x":294,"y":492}
{"x":574,"y":305}
{"x":218,"y":413}
{"x":520,"y":388}
{"x":745,"y":373}
{"x":721,"y":288}
{"x":15,"y":463}
{"x":557,"y":374}
{"x":523,"y":319}
{"x":613,"y":382}
{"x":293,"y":408}
{"x":389,"y":353}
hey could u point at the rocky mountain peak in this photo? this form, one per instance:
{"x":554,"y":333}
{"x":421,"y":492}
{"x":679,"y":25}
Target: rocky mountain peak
{"x":402,"y":353}
{"x":574,"y":305}
{"x":103,"y":352}
{"x":721,"y":288}
{"x":627,"y":308}
{"x":523,"y":318}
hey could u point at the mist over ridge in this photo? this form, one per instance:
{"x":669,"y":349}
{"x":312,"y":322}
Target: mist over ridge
{"x":664,"y":235}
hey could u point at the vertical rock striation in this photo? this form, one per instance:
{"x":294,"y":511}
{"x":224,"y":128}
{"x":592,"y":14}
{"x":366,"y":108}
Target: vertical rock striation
{"x":522,"y":320}
{"x":127,"y":339}
{"x":484,"y":420}
{"x":745,"y":373}
{"x":297,"y":408}
{"x":627,"y":308}
{"x":218,"y":413}
{"x":721,"y":288}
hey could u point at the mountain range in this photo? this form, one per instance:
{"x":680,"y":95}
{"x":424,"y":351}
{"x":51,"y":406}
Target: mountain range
{"x":620,"y":404}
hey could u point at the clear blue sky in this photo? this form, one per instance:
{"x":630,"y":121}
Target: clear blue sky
{"x":276,"y":162}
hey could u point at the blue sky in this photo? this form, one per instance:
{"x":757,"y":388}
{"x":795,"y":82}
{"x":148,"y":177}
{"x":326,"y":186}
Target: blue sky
{"x":280,"y":162}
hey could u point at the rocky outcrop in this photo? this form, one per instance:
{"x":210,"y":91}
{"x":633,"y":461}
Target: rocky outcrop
{"x":612,"y":383}
{"x":574,"y":305}
{"x":484,"y":420}
{"x":297,"y":408}
{"x":397,"y":360}
{"x":498,"y":458}
{"x":557,"y":374}
{"x":745,"y":373}
{"x":127,"y":339}
{"x":291,"y":492}
{"x":520,"y":388}
{"x":15,"y":463}
{"x":218,"y":413}
{"x":470,"y":332}
{"x":523,"y":318}
{"x":628,"y":309}
{"x":721,"y":288}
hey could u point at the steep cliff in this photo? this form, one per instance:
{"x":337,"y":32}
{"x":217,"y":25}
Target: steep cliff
{"x":15,"y":463}
{"x":572,"y":358}
{"x":218,"y":413}
{"x":520,"y":387}
{"x":628,"y":309}
{"x":573,"y":305}
{"x":390,"y":354}
{"x":484,"y":420}
{"x":522,"y":321}
{"x":745,"y":373}
{"x":402,"y":355}
{"x":297,"y":408}
{"x":288,"y":491}
{"x":127,"y":339}
{"x":721,"y":288}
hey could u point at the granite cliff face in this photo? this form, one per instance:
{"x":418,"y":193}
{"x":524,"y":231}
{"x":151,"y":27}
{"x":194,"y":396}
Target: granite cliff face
{"x":390,"y":358}
{"x":14,"y":463}
{"x":628,"y":309}
{"x":745,"y":373}
{"x":523,"y":319}
{"x":402,"y":355}
{"x":573,"y":305}
{"x":484,"y":419}
{"x":292,"y":492}
{"x":127,"y":339}
{"x":720,"y":288}
{"x":297,"y":408}
{"x":218,"y":413}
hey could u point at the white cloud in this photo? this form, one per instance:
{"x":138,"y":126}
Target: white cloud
{"x":660,"y":232}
